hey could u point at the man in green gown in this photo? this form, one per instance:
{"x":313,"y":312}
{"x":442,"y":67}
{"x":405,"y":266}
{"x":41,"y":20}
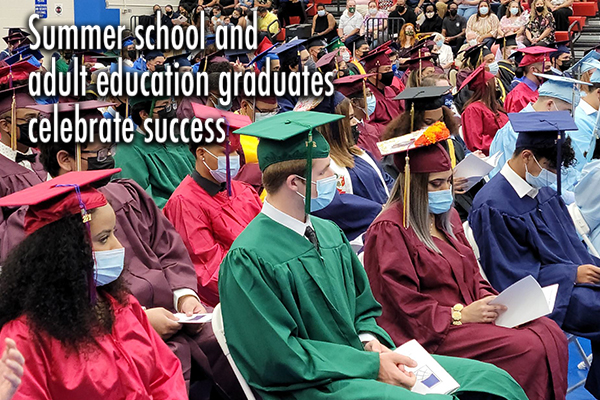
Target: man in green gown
{"x":157,"y":167}
{"x":298,"y":312}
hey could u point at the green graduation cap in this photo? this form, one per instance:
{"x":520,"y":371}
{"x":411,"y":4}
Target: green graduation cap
{"x":335,"y":44}
{"x":290,"y":136}
{"x":140,"y":98}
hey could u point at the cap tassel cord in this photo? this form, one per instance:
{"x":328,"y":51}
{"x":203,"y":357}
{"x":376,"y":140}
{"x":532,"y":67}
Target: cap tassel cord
{"x":406,"y":199}
{"x":13,"y":113}
{"x":309,"y":145}
{"x":228,"y":161}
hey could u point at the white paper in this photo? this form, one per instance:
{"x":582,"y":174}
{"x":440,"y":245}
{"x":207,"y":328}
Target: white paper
{"x":432,"y":378}
{"x":194,"y":319}
{"x":474,"y":168}
{"x":179,"y":20}
{"x":525,"y":301}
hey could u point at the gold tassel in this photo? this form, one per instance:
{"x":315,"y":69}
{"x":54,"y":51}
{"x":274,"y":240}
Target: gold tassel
{"x":13,"y":122}
{"x":406,"y":200}
{"x":412,"y":117}
{"x":126,"y":108}
{"x":78,"y":156}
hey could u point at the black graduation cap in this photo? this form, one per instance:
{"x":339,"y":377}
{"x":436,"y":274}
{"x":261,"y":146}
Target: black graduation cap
{"x":476,"y":53}
{"x":561,"y":48}
{"x":508,"y":40}
{"x":315,"y":41}
{"x":289,"y":50}
{"x":542,"y":129}
{"x":23,"y":54}
{"x":152,"y":54}
{"x":354,"y":42}
{"x":238,"y":54}
{"x":421,"y":62}
{"x":423,"y":98}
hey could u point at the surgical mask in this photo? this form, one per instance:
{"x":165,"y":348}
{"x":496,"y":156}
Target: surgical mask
{"x":217,"y":15}
{"x":544,"y":179}
{"x":453,"y":13}
{"x":321,"y":13}
{"x":439,"y":44}
{"x":310,"y":65}
{"x":95,"y":165}
{"x":326,"y":189}
{"x":371,"y":104}
{"x":448,"y":100}
{"x":484,"y":10}
{"x":220,"y":174}
{"x":429,"y":15}
{"x":351,"y":9}
{"x":355,"y":133}
{"x":514,"y":11}
{"x":168,"y":114}
{"x":108,"y":265}
{"x":387,"y":78}
{"x":494,"y":67}
{"x":372,"y":11}
{"x":218,"y":105}
{"x":346,"y":56}
{"x":259,"y":116}
{"x":440,"y":201}
{"x":472,"y":42}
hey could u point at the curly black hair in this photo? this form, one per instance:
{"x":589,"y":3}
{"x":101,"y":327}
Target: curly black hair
{"x":45,"y":278}
{"x":550,"y":153}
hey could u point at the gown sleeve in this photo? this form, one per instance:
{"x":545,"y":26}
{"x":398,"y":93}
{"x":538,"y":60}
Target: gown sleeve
{"x":472,"y":123}
{"x":206,"y":253}
{"x":511,"y":251}
{"x":134,"y":167}
{"x":34,"y":383}
{"x":252,"y":309}
{"x":396,"y":286}
{"x":167,"y":381}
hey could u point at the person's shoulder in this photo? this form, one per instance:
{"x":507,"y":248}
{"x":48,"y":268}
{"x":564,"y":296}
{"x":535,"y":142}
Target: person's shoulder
{"x":493,"y":194}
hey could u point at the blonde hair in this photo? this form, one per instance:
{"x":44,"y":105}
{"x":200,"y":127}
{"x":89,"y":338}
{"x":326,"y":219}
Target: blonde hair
{"x":534,"y":13}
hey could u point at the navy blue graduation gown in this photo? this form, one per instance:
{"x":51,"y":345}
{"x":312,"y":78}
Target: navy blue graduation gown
{"x":535,"y":236}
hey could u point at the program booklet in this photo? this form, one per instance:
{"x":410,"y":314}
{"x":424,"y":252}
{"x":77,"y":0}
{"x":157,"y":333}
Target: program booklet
{"x":432,"y":378}
{"x":194,"y":319}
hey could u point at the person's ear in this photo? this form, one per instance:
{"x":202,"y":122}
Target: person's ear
{"x":4,"y":126}
{"x":144,"y":114}
{"x":200,"y":151}
{"x":65,"y":161}
{"x":293,"y":183}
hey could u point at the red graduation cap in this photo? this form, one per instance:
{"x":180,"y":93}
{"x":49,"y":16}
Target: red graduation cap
{"x":233,"y":121}
{"x":478,"y":78}
{"x":535,"y":54}
{"x":376,"y":58}
{"x":65,"y":195}
{"x":351,"y":84}
{"x":17,"y":72}
{"x":264,"y":45}
{"x":327,"y":58}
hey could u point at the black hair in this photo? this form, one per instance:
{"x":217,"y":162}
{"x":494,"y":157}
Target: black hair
{"x":261,"y":9}
{"x":48,"y":152}
{"x":45,"y":279}
{"x":138,"y":108}
{"x":550,"y":153}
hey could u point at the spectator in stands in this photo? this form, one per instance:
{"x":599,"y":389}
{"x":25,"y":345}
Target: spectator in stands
{"x":467,"y":8}
{"x":350,"y":21}
{"x":514,"y":21}
{"x":484,"y":24}
{"x":217,"y":16}
{"x":433,"y":22}
{"x":362,"y":7}
{"x":238,"y":17}
{"x":453,"y":28}
{"x":444,"y":52}
{"x":324,"y":24}
{"x":406,"y":37}
{"x":246,"y":4}
{"x":374,"y":24}
{"x":228,"y":6}
{"x":561,"y":10}
{"x":400,"y":10}
{"x":267,"y":21}
{"x":540,"y":28}
{"x":291,"y":8}
{"x":264,"y":3}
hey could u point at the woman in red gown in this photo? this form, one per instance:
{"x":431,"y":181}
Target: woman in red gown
{"x":421,"y":273}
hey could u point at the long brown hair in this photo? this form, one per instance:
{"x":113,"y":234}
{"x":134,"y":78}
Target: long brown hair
{"x":486,"y":94}
{"x":341,"y":143}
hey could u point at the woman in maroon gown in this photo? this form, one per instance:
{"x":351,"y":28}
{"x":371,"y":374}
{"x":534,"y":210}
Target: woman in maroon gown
{"x":420,"y":273}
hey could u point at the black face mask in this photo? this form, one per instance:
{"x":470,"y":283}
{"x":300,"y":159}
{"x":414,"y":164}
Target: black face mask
{"x":24,"y":137}
{"x":170,"y":14}
{"x":95,"y":165}
{"x":453,"y":13}
{"x":539,"y":9}
{"x":355,"y":133}
{"x":401,"y":9}
{"x":167,"y":115}
{"x":344,"y":72}
{"x":121,"y":109}
{"x":387,"y":78}
{"x":566,"y":64}
{"x":159,"y":68}
{"x":132,"y":54}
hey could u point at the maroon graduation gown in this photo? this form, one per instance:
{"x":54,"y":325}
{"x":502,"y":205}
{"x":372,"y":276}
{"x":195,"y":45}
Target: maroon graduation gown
{"x":13,"y":178}
{"x":386,"y":109}
{"x":480,"y":125}
{"x":418,"y":287}
{"x":368,"y":138}
{"x":157,"y":263}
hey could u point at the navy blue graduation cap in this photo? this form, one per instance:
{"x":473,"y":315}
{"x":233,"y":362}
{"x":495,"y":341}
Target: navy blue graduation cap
{"x":561,"y":48}
{"x":543,"y":129}
{"x":238,"y":54}
{"x":289,"y":50}
{"x":179,"y":60}
{"x":152,"y":54}
{"x":22,"y":55}
{"x":261,"y":55}
{"x":354,"y":42}
{"x":210,"y":39}
{"x":315,"y":41}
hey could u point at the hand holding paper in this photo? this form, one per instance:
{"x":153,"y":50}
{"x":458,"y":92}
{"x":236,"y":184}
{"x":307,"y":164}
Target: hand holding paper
{"x":474,"y":168}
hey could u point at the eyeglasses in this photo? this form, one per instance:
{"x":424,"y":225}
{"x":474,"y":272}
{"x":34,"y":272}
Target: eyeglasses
{"x":103,"y":153}
{"x":275,"y":110}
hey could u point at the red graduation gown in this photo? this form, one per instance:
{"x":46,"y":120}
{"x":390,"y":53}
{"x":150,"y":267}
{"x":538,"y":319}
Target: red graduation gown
{"x":418,"y":287}
{"x":368,"y":138}
{"x":386,"y":109}
{"x":519,"y":97}
{"x":480,"y":125}
{"x":131,"y":363}
{"x":209,"y":225}
{"x":13,"y":178}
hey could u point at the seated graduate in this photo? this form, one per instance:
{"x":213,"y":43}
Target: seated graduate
{"x":159,"y":272}
{"x":296,"y":303}
{"x":209,"y":209}
{"x":425,"y":276}
{"x":586,"y":116}
{"x":157,"y":167}
{"x":522,"y":227}
{"x":587,"y":198}
{"x":65,"y":304}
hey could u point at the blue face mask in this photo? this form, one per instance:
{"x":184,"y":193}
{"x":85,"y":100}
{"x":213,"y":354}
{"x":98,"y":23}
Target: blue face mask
{"x":544,"y":179}
{"x":220,"y":174}
{"x":326,"y":188}
{"x":371,"y":103}
{"x":108,"y":265}
{"x":440,"y":201}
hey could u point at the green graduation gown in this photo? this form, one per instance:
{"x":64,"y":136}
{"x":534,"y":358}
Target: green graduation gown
{"x":158,"y":168}
{"x":292,"y":318}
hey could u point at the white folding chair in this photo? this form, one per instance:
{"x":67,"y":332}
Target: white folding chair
{"x":473,"y":244}
{"x":217,"y":325}
{"x":582,"y":228}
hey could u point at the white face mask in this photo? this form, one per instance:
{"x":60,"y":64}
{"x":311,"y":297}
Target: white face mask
{"x":372,"y":11}
{"x":321,"y":13}
{"x":346,"y":56}
{"x":484,"y":10}
{"x":430,"y":15}
{"x":472,"y":42}
{"x":514,"y":11}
